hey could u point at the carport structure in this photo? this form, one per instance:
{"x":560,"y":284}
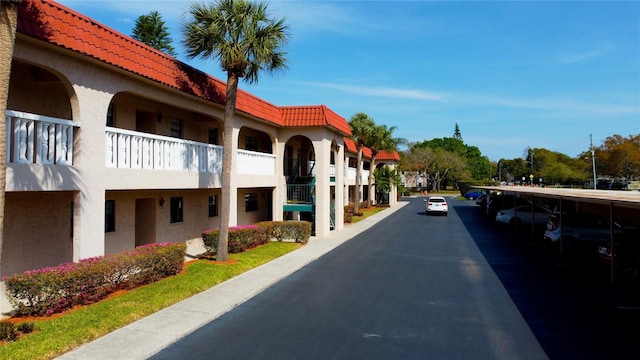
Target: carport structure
{"x":617,"y":206}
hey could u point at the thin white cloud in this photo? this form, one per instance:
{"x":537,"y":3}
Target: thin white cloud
{"x":381,"y":91}
{"x":549,"y":104}
{"x":579,"y":57}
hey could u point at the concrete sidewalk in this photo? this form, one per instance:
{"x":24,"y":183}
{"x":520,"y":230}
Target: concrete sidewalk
{"x":146,"y":337}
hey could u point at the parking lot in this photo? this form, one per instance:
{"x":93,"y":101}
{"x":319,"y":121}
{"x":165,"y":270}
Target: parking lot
{"x":570,"y":302}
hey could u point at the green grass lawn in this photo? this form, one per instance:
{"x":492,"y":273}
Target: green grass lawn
{"x":367,"y":212}
{"x":59,"y":334}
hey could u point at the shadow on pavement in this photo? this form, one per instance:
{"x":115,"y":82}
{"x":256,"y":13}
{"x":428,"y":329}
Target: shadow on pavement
{"x":570,"y":305}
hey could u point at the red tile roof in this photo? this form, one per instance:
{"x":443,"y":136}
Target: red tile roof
{"x":58,"y":25}
{"x":309,"y":116}
{"x":351,"y":146}
{"x":388,"y":155}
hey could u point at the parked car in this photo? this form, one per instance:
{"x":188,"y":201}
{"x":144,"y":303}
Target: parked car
{"x":580,"y":230}
{"x":472,"y":195}
{"x":626,"y":254}
{"x":502,"y":202}
{"x":524,"y":214}
{"x":436,"y":204}
{"x":482,"y":200}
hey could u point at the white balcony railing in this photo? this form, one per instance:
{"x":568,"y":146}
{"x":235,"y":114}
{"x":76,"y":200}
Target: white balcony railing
{"x":135,"y":150}
{"x":256,"y":163}
{"x":332,"y":170}
{"x":351,"y":174}
{"x":36,"y":139}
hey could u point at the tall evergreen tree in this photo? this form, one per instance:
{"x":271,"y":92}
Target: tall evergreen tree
{"x":456,"y":133}
{"x":150,"y":29}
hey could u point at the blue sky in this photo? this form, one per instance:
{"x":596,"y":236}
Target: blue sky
{"x":511,"y":74}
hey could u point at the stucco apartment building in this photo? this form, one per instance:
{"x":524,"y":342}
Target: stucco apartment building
{"x":113,"y":144}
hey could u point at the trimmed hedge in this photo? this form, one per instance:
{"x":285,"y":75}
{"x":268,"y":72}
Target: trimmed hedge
{"x":54,"y":289}
{"x":242,"y":238}
{"x":299,"y":231}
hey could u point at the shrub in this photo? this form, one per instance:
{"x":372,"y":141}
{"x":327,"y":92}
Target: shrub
{"x":241,"y":238}
{"x":25,"y":327}
{"x":348,"y":213}
{"x":299,"y":231}
{"x":8,"y":331}
{"x":245,"y":237}
{"x":54,"y":289}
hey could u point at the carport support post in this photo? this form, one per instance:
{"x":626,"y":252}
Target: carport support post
{"x":533,"y":217}
{"x":611,"y":244}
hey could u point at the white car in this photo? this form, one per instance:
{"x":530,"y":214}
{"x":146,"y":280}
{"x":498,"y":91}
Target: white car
{"x":436,"y":204}
{"x":524,"y":214}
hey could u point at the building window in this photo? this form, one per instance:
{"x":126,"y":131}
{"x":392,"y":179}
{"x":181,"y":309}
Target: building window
{"x":213,"y":205}
{"x":213,"y":136}
{"x":109,"y":216}
{"x":251,"y":143}
{"x":250,"y":202}
{"x":352,"y":162}
{"x":176,"y":128}
{"x":176,"y":209}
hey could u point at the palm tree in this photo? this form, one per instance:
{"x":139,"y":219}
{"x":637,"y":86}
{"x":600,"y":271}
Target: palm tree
{"x":381,"y":139}
{"x":386,"y":178}
{"x":246,"y":41}
{"x":362,"y":128}
{"x":8,"y":25}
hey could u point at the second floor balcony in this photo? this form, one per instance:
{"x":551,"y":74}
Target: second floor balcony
{"x":37,"y":139}
{"x":136,"y":150}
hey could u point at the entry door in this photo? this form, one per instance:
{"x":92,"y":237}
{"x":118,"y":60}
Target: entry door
{"x":145,"y":221}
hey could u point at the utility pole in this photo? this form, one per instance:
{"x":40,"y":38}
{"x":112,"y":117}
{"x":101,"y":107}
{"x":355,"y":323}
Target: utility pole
{"x":593,"y":161}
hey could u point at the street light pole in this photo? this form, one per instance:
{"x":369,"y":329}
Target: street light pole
{"x":593,"y":162}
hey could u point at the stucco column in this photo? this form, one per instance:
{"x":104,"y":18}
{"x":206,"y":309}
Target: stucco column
{"x":90,"y":110}
{"x":340,"y":188}
{"x":322,"y":150}
{"x":233,"y":213}
{"x":393,"y":194}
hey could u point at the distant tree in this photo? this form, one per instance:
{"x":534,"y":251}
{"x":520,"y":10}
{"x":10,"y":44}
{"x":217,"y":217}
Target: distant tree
{"x":417,"y":159}
{"x":456,"y":133}
{"x":619,"y":157}
{"x":246,"y":41}
{"x":150,"y":29}
{"x":479,"y":166}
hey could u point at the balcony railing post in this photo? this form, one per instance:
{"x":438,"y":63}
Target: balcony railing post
{"x":36,"y":139}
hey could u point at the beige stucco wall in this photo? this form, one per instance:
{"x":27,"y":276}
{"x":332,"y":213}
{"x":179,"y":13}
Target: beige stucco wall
{"x":42,"y":222}
{"x":195,"y":217}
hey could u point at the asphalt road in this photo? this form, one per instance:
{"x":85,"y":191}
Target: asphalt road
{"x":426,"y":287}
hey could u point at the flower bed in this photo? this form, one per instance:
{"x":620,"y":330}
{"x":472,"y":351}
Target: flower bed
{"x":242,"y":238}
{"x":54,"y":289}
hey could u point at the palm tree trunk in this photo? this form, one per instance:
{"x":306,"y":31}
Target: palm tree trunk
{"x":222,"y":253}
{"x":8,"y":24}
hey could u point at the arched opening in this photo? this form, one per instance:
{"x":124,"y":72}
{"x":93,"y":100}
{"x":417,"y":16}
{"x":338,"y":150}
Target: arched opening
{"x":299,"y":164}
